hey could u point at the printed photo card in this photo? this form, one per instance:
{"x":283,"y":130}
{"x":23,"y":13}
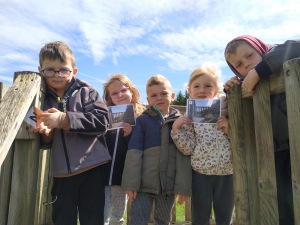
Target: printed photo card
{"x":203,"y":110}
{"x":31,"y":116}
{"x":120,"y":114}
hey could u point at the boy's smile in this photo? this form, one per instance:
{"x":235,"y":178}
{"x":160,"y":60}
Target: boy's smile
{"x":160,"y":95}
{"x":245,"y":59}
{"x":59,"y":84}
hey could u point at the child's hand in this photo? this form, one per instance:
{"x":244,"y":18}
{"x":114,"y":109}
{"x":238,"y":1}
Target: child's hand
{"x":131,"y":195}
{"x":42,"y":129}
{"x":181,"y":198}
{"x":250,"y":81}
{"x":51,"y":119}
{"x":222,"y":124}
{"x":231,"y":82}
{"x":127,"y":129}
{"x":180,"y":121}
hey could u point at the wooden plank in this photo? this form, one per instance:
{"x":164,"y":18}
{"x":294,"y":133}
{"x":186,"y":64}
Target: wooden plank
{"x":24,"y":183}
{"x":188,"y":209}
{"x":5,"y":173}
{"x":265,"y":154}
{"x":292,"y":79}
{"x":14,"y":107}
{"x":251,"y":160}
{"x":277,"y":85}
{"x":5,"y":185}
{"x":237,"y":136}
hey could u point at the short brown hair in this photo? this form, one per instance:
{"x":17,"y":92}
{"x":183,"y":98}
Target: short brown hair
{"x":56,"y":51}
{"x":158,"y":79}
{"x":232,"y":47}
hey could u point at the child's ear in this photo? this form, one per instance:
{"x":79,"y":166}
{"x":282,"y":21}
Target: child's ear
{"x":40,"y":70}
{"x":148,"y":101}
{"x":173,"y":96}
{"x":75,"y":70}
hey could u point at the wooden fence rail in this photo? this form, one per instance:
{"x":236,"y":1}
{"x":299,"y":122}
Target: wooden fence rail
{"x":252,"y":147}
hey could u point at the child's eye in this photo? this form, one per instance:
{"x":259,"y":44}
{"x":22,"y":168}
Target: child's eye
{"x":196,"y":86}
{"x":208,"y":85}
{"x":153,"y":96}
{"x":250,"y":55}
{"x":238,"y":65}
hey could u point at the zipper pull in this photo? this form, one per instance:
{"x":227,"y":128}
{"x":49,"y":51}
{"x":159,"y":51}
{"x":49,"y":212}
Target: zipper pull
{"x":58,"y":98}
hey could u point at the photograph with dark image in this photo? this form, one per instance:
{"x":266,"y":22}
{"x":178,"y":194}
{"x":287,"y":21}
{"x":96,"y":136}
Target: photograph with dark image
{"x":120,"y":114}
{"x":203,"y":110}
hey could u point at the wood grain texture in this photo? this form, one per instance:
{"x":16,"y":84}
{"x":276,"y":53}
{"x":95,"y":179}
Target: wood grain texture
{"x":265,"y":154}
{"x":292,"y":84}
{"x":5,"y":172}
{"x":251,"y":160}
{"x":24,"y":183}
{"x":237,"y":137}
{"x":14,"y":107}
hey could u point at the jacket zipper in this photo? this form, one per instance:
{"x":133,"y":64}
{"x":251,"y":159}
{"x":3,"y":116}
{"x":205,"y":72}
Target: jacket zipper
{"x":65,"y":151}
{"x":63,"y":136}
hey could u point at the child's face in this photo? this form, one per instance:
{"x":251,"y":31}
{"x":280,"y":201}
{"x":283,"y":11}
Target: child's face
{"x":119,"y":93}
{"x":58,"y":83}
{"x":160,"y":95}
{"x":244,"y":59}
{"x":203,"y":87}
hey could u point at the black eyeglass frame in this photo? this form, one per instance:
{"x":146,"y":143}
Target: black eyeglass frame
{"x":56,"y":71}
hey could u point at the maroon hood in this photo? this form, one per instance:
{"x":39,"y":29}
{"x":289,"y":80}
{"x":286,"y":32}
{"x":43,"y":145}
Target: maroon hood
{"x":261,"y":47}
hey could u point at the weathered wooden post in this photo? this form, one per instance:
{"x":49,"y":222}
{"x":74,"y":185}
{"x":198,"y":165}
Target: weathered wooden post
{"x":14,"y":106}
{"x":292,"y":87}
{"x":5,"y":172}
{"x":237,"y":138}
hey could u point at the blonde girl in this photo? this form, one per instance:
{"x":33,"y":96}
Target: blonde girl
{"x":210,"y":152}
{"x":118,"y":90}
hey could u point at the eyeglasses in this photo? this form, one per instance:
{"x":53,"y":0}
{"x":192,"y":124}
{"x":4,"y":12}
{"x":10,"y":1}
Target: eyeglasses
{"x":115,"y":94}
{"x":51,"y":72}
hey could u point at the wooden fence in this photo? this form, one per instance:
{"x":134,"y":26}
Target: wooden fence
{"x":252,"y":147}
{"x":24,"y":176}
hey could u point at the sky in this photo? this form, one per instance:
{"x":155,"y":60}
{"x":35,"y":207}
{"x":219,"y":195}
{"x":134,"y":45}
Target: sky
{"x":138,"y":38}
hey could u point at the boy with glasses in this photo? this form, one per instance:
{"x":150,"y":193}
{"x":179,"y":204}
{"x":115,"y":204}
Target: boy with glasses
{"x":75,"y":116}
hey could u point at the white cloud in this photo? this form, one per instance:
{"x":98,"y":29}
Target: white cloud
{"x":185,"y":33}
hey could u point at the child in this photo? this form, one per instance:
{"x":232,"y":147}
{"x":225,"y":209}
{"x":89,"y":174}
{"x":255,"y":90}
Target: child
{"x":154,"y":169}
{"x":210,"y":152}
{"x":75,"y":116}
{"x":118,"y":90}
{"x":251,"y":59}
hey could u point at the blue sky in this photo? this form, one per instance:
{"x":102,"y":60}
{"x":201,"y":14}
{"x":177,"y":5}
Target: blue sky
{"x":138,"y":38}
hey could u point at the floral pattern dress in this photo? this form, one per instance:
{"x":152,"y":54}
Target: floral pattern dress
{"x":208,"y":146}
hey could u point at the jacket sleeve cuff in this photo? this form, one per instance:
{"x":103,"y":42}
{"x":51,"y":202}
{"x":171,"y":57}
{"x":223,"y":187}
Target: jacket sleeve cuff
{"x":263,"y":70}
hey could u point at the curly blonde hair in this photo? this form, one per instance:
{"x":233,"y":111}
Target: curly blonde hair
{"x":138,"y":107}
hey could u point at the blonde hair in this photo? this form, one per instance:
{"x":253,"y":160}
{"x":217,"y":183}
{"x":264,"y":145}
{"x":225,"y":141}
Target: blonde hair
{"x":138,"y":107}
{"x":232,"y":47}
{"x":158,"y":79}
{"x":57,"y":51}
{"x":206,"y":69}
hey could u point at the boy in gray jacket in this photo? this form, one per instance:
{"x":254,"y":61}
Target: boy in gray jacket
{"x":154,"y":169}
{"x":73,"y":119}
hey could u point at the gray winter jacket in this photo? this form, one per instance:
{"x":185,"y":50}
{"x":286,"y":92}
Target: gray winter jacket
{"x":80,"y":147}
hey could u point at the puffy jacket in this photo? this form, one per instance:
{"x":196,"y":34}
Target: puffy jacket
{"x":80,"y":147}
{"x":153,"y":164}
